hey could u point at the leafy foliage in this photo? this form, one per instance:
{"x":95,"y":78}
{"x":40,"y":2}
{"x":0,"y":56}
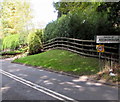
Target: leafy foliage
{"x":79,"y":24}
{"x":49,"y":31}
{"x":34,"y":43}
{"x":0,"y":44}
{"x":81,"y":20}
{"x":13,"y":18}
{"x":39,"y":32}
{"x":23,"y":49}
{"x":66,"y":7}
{"x":113,"y":10}
{"x":11,"y":42}
{"x":13,"y":21}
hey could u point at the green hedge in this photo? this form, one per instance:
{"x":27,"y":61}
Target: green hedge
{"x":80,"y":24}
{"x":34,"y":43}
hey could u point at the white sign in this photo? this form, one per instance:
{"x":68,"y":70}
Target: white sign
{"x":108,"y":39}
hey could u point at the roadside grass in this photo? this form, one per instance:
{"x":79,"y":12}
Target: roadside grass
{"x":62,"y":60}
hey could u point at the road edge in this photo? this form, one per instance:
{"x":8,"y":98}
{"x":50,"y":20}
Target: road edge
{"x":71,"y":75}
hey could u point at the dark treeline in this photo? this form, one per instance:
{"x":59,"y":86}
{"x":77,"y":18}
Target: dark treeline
{"x":84,"y":20}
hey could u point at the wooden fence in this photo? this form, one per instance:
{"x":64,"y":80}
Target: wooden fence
{"x":83,"y":47}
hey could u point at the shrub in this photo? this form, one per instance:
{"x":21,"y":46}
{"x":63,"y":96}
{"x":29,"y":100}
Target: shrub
{"x":50,"y":30}
{"x":34,"y":44}
{"x":23,"y":49}
{"x":39,"y":32}
{"x":80,"y":24}
{"x":23,"y":37}
{"x":11,"y":42}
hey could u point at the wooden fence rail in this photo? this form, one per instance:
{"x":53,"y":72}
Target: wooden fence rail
{"x":83,"y":47}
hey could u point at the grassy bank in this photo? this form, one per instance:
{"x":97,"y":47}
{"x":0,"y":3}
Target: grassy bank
{"x":62,"y":60}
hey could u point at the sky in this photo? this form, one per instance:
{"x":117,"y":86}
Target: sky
{"x":43,"y":12}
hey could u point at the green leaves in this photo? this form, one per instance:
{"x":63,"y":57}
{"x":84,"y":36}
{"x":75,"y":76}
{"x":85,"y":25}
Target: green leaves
{"x":82,"y":21}
{"x":14,"y":16}
{"x":34,"y":43}
{"x":11,"y":42}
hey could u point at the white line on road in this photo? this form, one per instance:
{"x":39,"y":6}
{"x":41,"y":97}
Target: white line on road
{"x":38,"y":87}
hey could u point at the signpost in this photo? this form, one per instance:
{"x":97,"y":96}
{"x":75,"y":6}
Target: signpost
{"x":107,"y":39}
{"x":119,"y":53}
{"x":100,"y":48}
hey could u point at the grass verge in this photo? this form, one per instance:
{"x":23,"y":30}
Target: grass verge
{"x":61,"y":60}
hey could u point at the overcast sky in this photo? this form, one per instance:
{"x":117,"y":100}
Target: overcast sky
{"x":43,"y":12}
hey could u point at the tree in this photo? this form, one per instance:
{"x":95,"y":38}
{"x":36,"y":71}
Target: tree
{"x":14,"y":16}
{"x":64,"y":8}
{"x":113,"y":10}
{"x":83,"y":22}
{"x":10,"y":42}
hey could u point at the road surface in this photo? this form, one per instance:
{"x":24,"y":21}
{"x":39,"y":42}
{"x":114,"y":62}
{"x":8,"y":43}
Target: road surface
{"x":20,"y":82}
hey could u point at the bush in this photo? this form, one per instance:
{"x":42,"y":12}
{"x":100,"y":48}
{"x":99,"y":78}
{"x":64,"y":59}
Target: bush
{"x":39,"y":32}
{"x":23,"y":49}
{"x":23,"y":37}
{"x":34,"y":44}
{"x":49,"y":31}
{"x":11,"y":42}
{"x":80,"y":24}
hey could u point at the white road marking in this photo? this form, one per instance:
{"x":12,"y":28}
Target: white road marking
{"x":38,"y":87}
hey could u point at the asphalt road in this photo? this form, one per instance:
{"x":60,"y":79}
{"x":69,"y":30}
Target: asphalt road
{"x":20,"y":82}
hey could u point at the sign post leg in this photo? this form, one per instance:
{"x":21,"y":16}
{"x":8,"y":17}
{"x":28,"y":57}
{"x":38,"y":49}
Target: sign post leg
{"x":99,"y":61}
{"x":119,"y":54}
